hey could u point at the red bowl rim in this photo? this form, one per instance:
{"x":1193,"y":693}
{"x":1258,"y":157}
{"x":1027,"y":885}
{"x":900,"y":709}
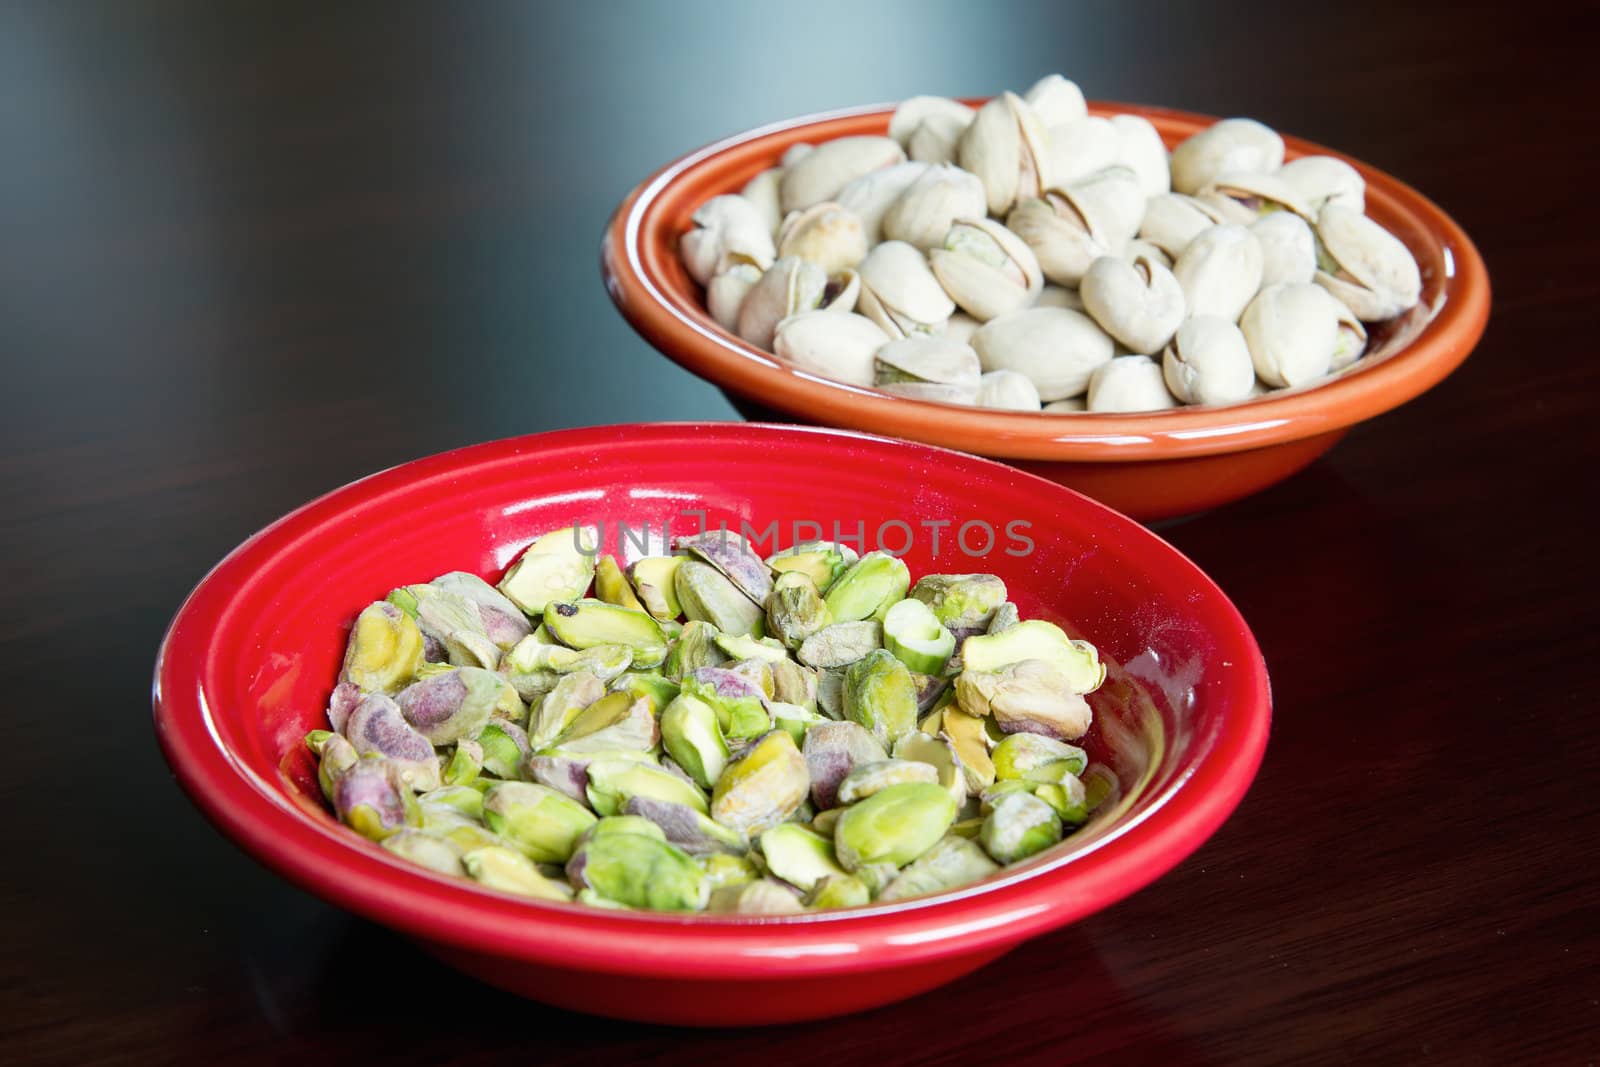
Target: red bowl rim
{"x":680,"y":327}
{"x":327,"y":860}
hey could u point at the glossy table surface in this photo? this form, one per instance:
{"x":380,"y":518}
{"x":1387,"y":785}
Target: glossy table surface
{"x":249,"y":252}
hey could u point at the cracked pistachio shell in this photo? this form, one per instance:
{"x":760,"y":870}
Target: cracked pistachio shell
{"x":823,"y":173}
{"x":1141,"y":150}
{"x":826,"y":234}
{"x":695,"y":647}
{"x":638,"y":871}
{"x":893,"y":826}
{"x":1352,"y":340}
{"x":1055,"y":296}
{"x":727,"y":230}
{"x":1208,"y":362}
{"x":564,"y":703}
{"x":987,"y":269}
{"x":731,"y":554}
{"x":691,"y":735}
{"x":950,"y":864}
{"x":838,"y":891}
{"x":831,"y":345}
{"x":372,"y":798}
{"x":1173,"y":220}
{"x":708,"y":596}
{"x":377,"y":728}
{"x":924,"y":212}
{"x":938,"y":140}
{"x":539,"y":820}
{"x":1228,"y":146}
{"x":795,"y":153}
{"x":870,"y":196}
{"x":554,"y":567}
{"x":1137,"y":301}
{"x":1006,"y":147}
{"x":832,"y":750}
{"x":1138,"y":247}
{"x":652,"y":579}
{"x":762,"y":192}
{"x":930,"y":368}
{"x":939,"y":754}
{"x":505,"y":748}
{"x":615,"y":721}
{"x":762,"y":787}
{"x":963,"y":602}
{"x":1056,"y":100}
{"x":865,"y":779}
{"x":1023,"y":755}
{"x":384,"y":651}
{"x":794,"y":684}
{"x":1067,"y":797}
{"x":1019,"y":825}
{"x":915,"y":110}
{"x":425,"y":850}
{"x":1367,"y":267}
{"x":1032,"y":695}
{"x":880,"y":695}
{"x":1069,"y":228}
{"x":1288,"y":249}
{"x":1292,"y":331}
{"x":1008,"y":390}
{"x":1129,"y":383}
{"x":1220,"y":271}
{"x":821,"y":561}
{"x":799,"y":856}
{"x":968,"y":737}
{"x":685,"y":827}
{"x":723,"y":869}
{"x":612,"y":587}
{"x":584,"y":624}
{"x":455,"y":704}
{"x":511,"y":872}
{"x":961,"y":326}
{"x":868,"y":588}
{"x":795,"y":610}
{"x":764,"y":896}
{"x":1244,"y":198}
{"x":614,"y":780}
{"x":1069,"y":406}
{"x":900,"y":293}
{"x":790,"y":286}
{"x":1037,"y":639}
{"x":1054,"y":348}
{"x":1323,"y":180}
{"x":461,"y":798}
{"x":1081,"y":147}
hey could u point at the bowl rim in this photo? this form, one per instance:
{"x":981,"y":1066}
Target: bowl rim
{"x":683,"y":331}
{"x":327,"y":860}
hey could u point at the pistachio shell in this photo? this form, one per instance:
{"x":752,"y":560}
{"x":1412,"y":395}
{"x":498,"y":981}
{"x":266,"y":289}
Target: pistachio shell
{"x":900,"y":293}
{"x":832,"y":345}
{"x":986,"y":269}
{"x":1008,"y":390}
{"x":1006,"y":147}
{"x":925,"y":210}
{"x":1227,"y":146}
{"x":1141,"y":150}
{"x":870,"y":196}
{"x":916,"y":110}
{"x":1074,"y":225}
{"x":1376,"y":276}
{"x":929,"y":361}
{"x":826,"y":234}
{"x":1056,"y":296}
{"x":1288,"y":249}
{"x":1056,"y":100}
{"x":1081,"y":147}
{"x":1352,"y":340}
{"x":762,"y":192}
{"x":1220,"y":271}
{"x":937,"y":139}
{"x":1208,"y":362}
{"x":726,"y":292}
{"x":822,"y":173}
{"x":960,"y":327}
{"x":1129,"y":383}
{"x":1137,"y":301}
{"x":1054,"y":348}
{"x":1246,"y":197}
{"x":791,"y":285}
{"x":1172,"y":220}
{"x":1291,"y":331}
{"x":727,"y":230}
{"x":1323,"y":180}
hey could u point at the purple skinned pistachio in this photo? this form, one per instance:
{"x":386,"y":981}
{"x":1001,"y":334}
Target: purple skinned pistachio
{"x":377,"y":728}
{"x":685,"y":827}
{"x":727,"y":683}
{"x":832,"y":750}
{"x":451,"y":705}
{"x":346,"y":695}
{"x":569,"y":777}
{"x":371,"y":798}
{"x":502,"y":620}
{"x":732,"y":555}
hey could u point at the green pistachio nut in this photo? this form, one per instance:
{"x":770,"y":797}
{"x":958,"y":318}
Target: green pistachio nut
{"x":567,"y":775}
{"x":965,"y":603}
{"x":840,"y":644}
{"x":512,"y":872}
{"x":612,"y":586}
{"x":1069,"y":799}
{"x":739,"y":702}
{"x":615,"y":722}
{"x":724,"y":869}
{"x":917,"y":638}
{"x":686,"y":827}
{"x":534,"y":668}
{"x":830,"y":692}
{"x":879,"y":694}
{"x":967,"y":828}
{"x":758,"y":672}
{"x":731,"y":554}
{"x":451,"y":622}
{"x":1077,"y":661}
{"x":1030,"y":696}
{"x":623,"y":824}
{"x":951,"y":863}
{"x":838,"y":891}
{"x":692,"y":735}
{"x":708,"y":596}
{"x":831,"y":751}
{"x":821,"y":561}
{"x":745,"y":648}
{"x":649,"y":685}
{"x":315,"y":740}
{"x":464,"y":765}
{"x":426,"y":850}
{"x":653,"y":580}
{"x":970,"y":740}
{"x":798,"y":856}
{"x":764,"y":896}
{"x":825,"y":821}
{"x":866,"y":779}
{"x":694,"y":648}
{"x":868,"y":589}
{"x":795,"y":609}
{"x":639,"y":871}
{"x":571,"y":695}
{"x":463,"y":799}
{"x":614,"y":780}
{"x":583,"y":624}
{"x":794,"y":684}
{"x":384,"y":651}
{"x":540,"y":821}
{"x":372,"y":798}
{"x":1022,"y":754}
{"x":793,"y":718}
{"x":1005,"y":617}
{"x":500,"y":620}
{"x":1019,"y":825}
{"x":763,"y":787}
{"x":895,"y":825}
{"x":1100,"y":786}
{"x":987,"y":798}
{"x":505,"y":748}
{"x":938,"y":753}
{"x":337,"y":756}
{"x":554,"y":568}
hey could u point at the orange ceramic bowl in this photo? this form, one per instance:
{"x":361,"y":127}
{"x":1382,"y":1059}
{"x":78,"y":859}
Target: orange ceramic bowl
{"x":1150,"y":465}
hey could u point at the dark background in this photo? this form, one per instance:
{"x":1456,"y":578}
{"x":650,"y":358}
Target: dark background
{"x":251,"y":251}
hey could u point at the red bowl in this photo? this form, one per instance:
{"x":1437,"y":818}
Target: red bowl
{"x":248,"y":663}
{"x":1150,"y":465}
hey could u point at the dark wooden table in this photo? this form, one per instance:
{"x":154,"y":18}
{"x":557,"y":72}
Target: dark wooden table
{"x":251,"y":251}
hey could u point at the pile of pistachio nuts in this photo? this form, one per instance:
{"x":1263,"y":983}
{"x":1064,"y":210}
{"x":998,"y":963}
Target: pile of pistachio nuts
{"x":1028,"y":256}
{"x":818,"y":732}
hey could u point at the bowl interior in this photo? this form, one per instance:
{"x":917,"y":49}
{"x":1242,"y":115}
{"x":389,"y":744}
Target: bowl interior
{"x":254,"y":653}
{"x":654,"y":290}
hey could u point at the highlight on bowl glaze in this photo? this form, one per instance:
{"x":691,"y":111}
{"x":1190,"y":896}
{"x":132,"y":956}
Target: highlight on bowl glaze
{"x":1149,"y":464}
{"x":248,"y":663}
